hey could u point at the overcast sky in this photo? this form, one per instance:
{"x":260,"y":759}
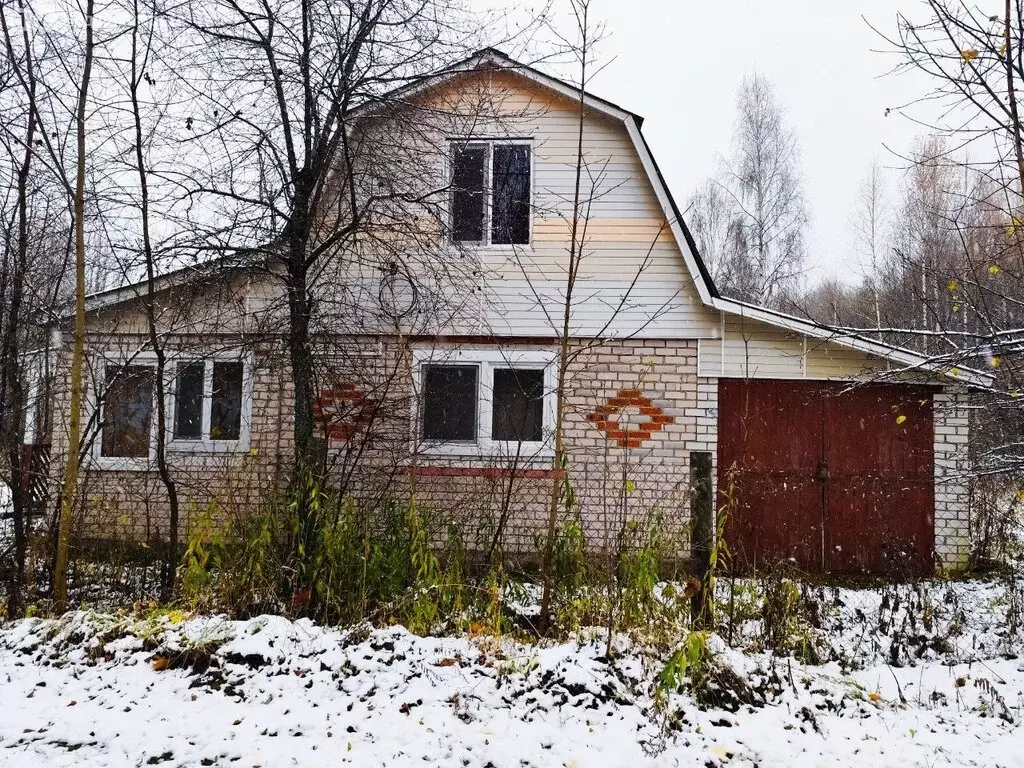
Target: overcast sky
{"x":679,"y":63}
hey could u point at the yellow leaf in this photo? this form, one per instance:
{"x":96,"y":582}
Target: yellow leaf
{"x":1002,"y":49}
{"x":900,"y":419}
{"x":952,"y":285}
{"x":875,"y":696}
{"x":994,"y":362}
{"x":1020,"y":495}
{"x":969,"y":55}
{"x":994,"y":270}
{"x":630,"y":486}
{"x":1015,"y":393}
{"x":954,"y":372}
{"x":956,"y":306}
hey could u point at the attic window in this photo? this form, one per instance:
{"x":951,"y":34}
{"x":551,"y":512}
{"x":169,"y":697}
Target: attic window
{"x":491,"y":189}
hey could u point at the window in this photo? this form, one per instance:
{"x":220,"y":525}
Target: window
{"x":209,"y":400}
{"x":517,"y":412}
{"x":491,"y":187}
{"x":208,"y":407}
{"x":127,"y":411}
{"x":449,"y":402}
{"x":226,"y":405}
{"x":485,"y":401}
{"x":188,"y":411}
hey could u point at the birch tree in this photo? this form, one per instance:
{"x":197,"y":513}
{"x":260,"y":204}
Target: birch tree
{"x":752,"y":217}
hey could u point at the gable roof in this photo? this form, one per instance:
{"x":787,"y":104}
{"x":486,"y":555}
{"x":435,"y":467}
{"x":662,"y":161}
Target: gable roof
{"x":492,"y":58}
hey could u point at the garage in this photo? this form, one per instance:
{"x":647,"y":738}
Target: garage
{"x":827,"y":476}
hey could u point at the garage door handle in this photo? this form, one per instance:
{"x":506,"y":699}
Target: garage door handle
{"x":822,"y":474}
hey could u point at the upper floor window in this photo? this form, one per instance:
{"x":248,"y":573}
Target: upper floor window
{"x":491,"y":189}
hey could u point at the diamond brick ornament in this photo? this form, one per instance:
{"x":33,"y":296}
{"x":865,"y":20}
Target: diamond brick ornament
{"x":629,"y":418}
{"x":343,"y":411}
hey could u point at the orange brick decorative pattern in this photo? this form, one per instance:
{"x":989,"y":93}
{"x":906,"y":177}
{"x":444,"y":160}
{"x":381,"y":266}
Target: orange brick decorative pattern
{"x":608,"y":418}
{"x":344,"y":412}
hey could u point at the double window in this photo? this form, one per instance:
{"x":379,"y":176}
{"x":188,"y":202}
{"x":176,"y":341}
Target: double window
{"x":491,"y":190}
{"x":208,"y":406}
{"x":485,"y":401}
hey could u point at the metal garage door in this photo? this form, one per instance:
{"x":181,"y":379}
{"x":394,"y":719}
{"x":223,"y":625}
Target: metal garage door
{"x":827,"y":479}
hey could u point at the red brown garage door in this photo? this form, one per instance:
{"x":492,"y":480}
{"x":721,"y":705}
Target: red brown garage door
{"x":827,"y":479}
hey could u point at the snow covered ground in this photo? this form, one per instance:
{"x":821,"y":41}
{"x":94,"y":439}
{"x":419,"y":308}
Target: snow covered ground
{"x":121,"y":690}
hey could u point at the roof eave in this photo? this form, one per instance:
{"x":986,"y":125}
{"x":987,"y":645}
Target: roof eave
{"x":904,"y":357}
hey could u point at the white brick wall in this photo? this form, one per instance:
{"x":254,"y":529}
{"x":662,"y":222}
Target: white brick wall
{"x":952,"y":488}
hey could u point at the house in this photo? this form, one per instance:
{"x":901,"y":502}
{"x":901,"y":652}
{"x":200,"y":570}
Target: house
{"x":436,"y":365}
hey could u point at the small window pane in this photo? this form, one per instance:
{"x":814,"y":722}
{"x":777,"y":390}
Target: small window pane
{"x":468,"y":165}
{"x":449,"y":402}
{"x":518,"y":405}
{"x":510,"y":216}
{"x":127,"y":411}
{"x":188,"y":402}
{"x":226,"y":407}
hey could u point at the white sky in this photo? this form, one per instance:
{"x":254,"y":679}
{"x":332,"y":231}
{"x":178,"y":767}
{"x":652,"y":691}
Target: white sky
{"x":679,"y":64}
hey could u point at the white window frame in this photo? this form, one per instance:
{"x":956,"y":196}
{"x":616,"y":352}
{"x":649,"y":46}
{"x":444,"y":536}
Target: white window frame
{"x":97,"y":396}
{"x":95,"y":403}
{"x":486,"y":361}
{"x":489,"y":143}
{"x":204,"y":444}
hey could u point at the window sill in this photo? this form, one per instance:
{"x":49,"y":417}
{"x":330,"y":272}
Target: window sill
{"x":119,"y":464}
{"x":488,"y":472}
{"x":498,"y":248}
{"x":200,"y":447}
{"x":177,"y":457}
{"x":495,"y":451}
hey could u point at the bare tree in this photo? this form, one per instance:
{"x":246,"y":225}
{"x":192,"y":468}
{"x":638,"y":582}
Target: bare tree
{"x":871,"y":230}
{"x":298,"y":114}
{"x":712,"y":218}
{"x":752,"y":219}
{"x":51,"y":56}
{"x":17,"y":142}
{"x":70,"y":486}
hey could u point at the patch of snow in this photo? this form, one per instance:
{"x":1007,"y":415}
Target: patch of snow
{"x":109,"y":690}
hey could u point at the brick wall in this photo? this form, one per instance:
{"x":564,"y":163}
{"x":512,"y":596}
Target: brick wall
{"x":952,"y":486}
{"x":635,"y":410}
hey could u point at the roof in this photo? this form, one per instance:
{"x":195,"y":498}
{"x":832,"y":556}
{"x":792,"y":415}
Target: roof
{"x":492,"y":58}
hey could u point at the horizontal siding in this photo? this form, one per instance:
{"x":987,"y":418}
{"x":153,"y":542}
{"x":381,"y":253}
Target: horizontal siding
{"x":750,"y":349}
{"x":627,"y":238}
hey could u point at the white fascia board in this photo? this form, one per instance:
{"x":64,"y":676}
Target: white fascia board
{"x":502,"y":64}
{"x":904,"y":357}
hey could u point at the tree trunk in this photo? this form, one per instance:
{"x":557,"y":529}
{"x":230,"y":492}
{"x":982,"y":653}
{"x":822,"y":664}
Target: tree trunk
{"x":560,"y":462}
{"x":69,"y":489}
{"x":163,"y":470}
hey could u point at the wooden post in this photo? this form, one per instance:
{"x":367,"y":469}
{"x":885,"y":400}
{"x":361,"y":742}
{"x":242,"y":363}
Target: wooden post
{"x":702,"y":539}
